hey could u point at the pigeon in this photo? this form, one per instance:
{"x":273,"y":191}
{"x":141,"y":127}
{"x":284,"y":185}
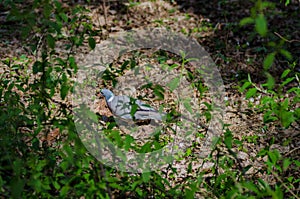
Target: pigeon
{"x":130,"y":109}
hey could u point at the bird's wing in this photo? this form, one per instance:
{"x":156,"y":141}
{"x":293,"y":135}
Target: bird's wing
{"x":125,"y":101}
{"x":145,"y":115}
{"x":144,"y":107}
{"x":122,"y":106}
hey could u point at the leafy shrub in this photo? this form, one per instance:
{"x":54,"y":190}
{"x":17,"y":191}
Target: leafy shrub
{"x":33,"y":91}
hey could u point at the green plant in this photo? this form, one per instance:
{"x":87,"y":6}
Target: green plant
{"x":274,"y":102}
{"x":32,"y":93}
{"x":277,"y":106}
{"x":42,"y":156}
{"x":278,"y":99}
{"x":258,"y":18}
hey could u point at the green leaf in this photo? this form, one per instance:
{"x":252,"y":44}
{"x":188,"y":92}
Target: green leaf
{"x":187,"y":105}
{"x":272,"y":44}
{"x":285,"y":73}
{"x":297,"y":163}
{"x":63,"y":16}
{"x":50,"y":41}
{"x":261,"y":25}
{"x":285,"y":104}
{"x":228,"y":139}
{"x":274,"y":156}
{"x":251,"y":186}
{"x":145,"y":148}
{"x":247,"y":20}
{"x":64,"y":91}
{"x":189,"y":193}
{"x":251,"y":92}
{"x":56,"y":185}
{"x":92,"y":42}
{"x":297,"y":113}
{"x":278,"y":192}
{"x":115,"y":186}
{"x":269,"y":60}
{"x":114,"y":134}
{"x":128,"y":140}
{"x":146,"y":176}
{"x":17,"y":187}
{"x":139,"y":192}
{"x":287,"y":118}
{"x":57,"y":27}
{"x":36,"y":67}
{"x":124,"y":66}
{"x":174,"y":83}
{"x":287,"y":2}
{"x":64,"y":190}
{"x":266,"y":4}
{"x":249,"y":78}
{"x":72,"y":62}
{"x":134,"y":107}
{"x":47,"y":9}
{"x":188,"y":152}
{"x":286,"y":53}
{"x":269,"y":117}
{"x":286,"y":163}
{"x":288,"y":80}
{"x":270,"y":81}
{"x":159,"y":92}
{"x":246,"y":85}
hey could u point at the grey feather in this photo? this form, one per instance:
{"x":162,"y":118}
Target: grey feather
{"x":123,"y":106}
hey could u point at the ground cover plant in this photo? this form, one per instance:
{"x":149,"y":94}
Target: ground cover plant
{"x":255,"y":46}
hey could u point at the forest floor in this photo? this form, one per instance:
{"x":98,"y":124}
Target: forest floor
{"x":237,"y":52}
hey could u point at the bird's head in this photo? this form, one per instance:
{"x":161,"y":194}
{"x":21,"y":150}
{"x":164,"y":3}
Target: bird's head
{"x":107,"y":94}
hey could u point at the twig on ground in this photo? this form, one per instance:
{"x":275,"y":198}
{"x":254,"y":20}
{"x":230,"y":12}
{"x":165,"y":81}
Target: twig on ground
{"x":289,"y":41}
